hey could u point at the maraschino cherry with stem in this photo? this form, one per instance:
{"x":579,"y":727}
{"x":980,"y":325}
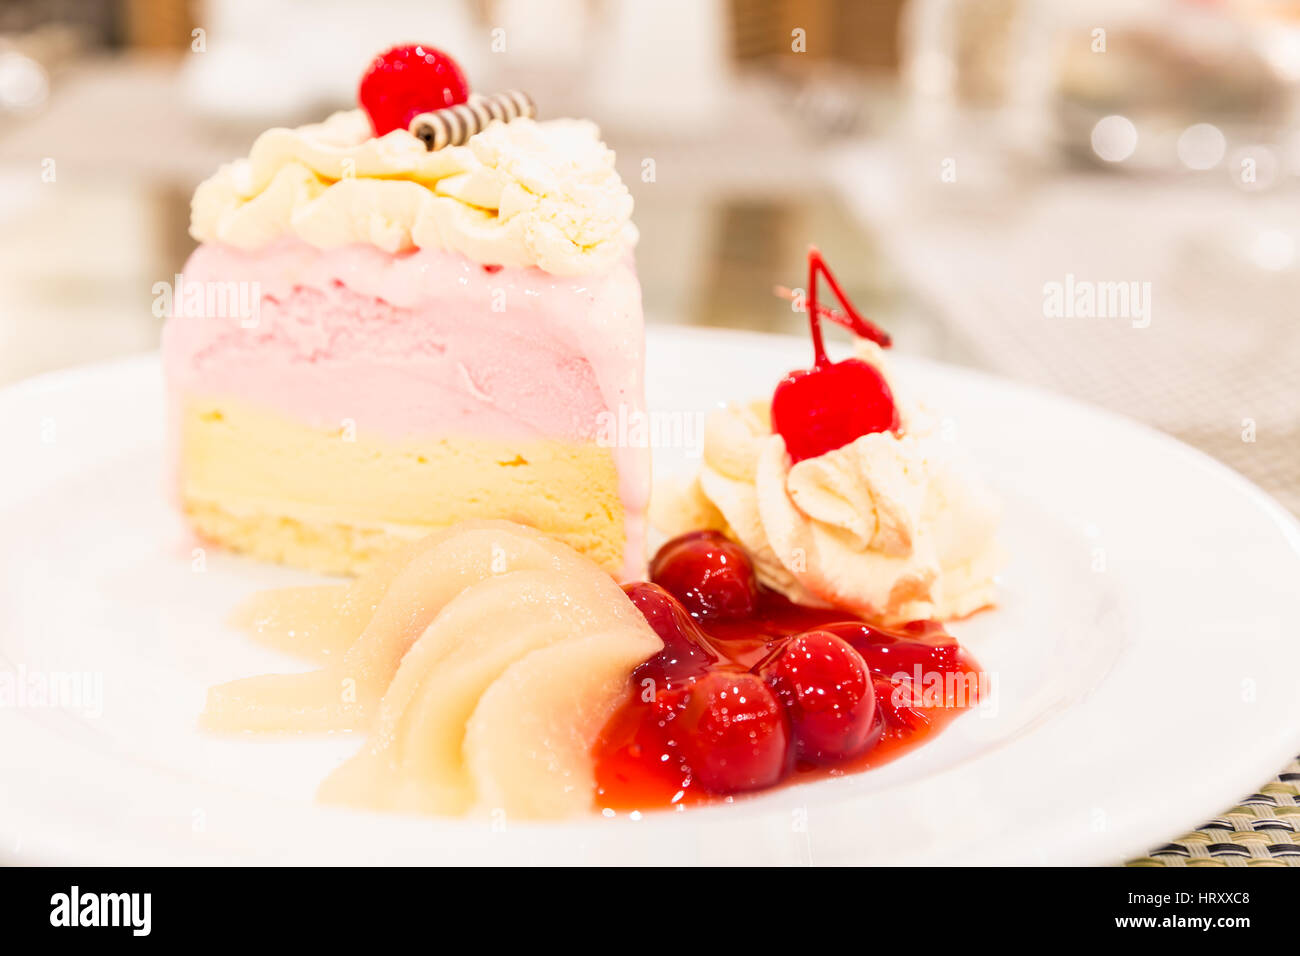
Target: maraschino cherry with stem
{"x":828,"y":406}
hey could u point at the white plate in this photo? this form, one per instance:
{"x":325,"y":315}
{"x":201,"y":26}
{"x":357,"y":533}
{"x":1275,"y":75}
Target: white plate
{"x":1145,"y":655}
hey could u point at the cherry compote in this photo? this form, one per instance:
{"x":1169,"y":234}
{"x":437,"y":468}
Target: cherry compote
{"x":752,"y":690}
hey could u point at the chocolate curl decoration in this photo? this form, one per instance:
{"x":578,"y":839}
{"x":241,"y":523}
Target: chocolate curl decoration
{"x":454,"y":125}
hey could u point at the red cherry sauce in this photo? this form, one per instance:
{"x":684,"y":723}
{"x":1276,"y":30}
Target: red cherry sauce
{"x":635,"y":770}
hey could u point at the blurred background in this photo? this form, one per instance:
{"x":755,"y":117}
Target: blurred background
{"x":953,"y":159}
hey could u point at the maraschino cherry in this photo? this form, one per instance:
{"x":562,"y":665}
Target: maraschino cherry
{"x":687,"y":653}
{"x":828,"y":693}
{"x":406,"y":81}
{"x":734,"y":733}
{"x":825,"y":407}
{"x":709,"y":573}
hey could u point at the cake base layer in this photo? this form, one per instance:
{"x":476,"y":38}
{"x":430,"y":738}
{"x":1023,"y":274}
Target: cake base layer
{"x":333,"y":500}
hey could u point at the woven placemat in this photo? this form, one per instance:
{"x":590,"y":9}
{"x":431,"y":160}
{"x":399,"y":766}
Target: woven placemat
{"x":1263,"y":830}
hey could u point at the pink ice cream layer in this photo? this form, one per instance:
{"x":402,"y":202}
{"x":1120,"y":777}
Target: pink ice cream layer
{"x":420,"y":344}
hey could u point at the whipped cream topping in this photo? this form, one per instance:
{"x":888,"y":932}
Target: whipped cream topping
{"x":889,"y":526}
{"x":521,"y":193}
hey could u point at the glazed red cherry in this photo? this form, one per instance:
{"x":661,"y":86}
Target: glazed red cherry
{"x":733,"y":733}
{"x":709,"y":573}
{"x":405,"y":81}
{"x":820,"y":409}
{"x":686,"y":654}
{"x":827,"y":691}
{"x":922,"y":644}
{"x":828,"y":406}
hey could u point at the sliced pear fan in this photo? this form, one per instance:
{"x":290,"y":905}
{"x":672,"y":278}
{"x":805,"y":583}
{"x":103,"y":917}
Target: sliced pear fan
{"x":420,"y":729}
{"x":487,"y":658}
{"x":528,"y":746}
{"x":405,"y":598}
{"x":321,"y":622}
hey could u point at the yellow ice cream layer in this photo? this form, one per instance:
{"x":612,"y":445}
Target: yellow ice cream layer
{"x":333,"y":501}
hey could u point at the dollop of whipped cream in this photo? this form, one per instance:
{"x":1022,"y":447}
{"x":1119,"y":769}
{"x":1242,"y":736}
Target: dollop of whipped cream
{"x":523,"y":193}
{"x":891,"y":527}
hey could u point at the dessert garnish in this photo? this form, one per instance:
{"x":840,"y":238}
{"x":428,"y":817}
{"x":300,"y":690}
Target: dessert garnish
{"x":423,"y":90}
{"x":843,"y":490}
{"x":749,"y":693}
{"x":710,"y":574}
{"x":454,"y":125}
{"x":823,"y":408}
{"x":893,"y":526}
{"x":826,"y":688}
{"x":485,"y":659}
{"x":499,"y":670}
{"x":405,"y":81}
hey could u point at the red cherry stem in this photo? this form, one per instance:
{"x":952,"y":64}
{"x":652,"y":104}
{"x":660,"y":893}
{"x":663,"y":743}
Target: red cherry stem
{"x":814,"y":319}
{"x":863,"y":329}
{"x":849,"y":318}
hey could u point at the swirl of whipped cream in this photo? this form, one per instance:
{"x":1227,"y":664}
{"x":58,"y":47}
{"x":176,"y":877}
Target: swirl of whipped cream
{"x":888,"y":526}
{"x":521,"y":193}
